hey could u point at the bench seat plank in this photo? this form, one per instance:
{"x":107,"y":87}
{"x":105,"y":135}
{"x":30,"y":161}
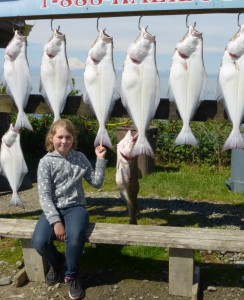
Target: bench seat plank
{"x":147,"y":235}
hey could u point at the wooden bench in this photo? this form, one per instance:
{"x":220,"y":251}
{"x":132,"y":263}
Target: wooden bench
{"x":181,"y":241}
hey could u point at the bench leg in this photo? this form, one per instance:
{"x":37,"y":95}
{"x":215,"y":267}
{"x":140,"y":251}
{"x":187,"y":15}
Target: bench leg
{"x":181,"y":271}
{"x":35,"y":265}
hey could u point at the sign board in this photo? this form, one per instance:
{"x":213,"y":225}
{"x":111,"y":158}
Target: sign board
{"x":48,"y":9}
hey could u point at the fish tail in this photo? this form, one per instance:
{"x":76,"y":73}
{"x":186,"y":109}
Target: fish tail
{"x":56,"y":117}
{"x":103,"y":138}
{"x":16,"y":201}
{"x":186,"y":137}
{"x":22,"y":121}
{"x":234,"y":141}
{"x":142,"y":146}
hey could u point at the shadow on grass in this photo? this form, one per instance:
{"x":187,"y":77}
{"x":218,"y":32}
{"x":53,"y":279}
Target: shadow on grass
{"x":170,"y":212}
{"x":153,"y":211}
{"x":35,"y":214}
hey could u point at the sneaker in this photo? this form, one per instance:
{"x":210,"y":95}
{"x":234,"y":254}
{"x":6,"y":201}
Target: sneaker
{"x":53,"y":276}
{"x":75,"y":290}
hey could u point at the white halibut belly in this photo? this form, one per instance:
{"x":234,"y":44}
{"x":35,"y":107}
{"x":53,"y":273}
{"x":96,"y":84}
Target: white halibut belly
{"x":186,"y":87}
{"x":140,"y":92}
{"x":14,"y":167}
{"x":100,"y":82}
{"x":55,"y":78}
{"x":231,"y":81}
{"x":18,"y":79}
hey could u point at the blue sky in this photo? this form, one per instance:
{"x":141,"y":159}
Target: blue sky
{"x":80,"y":34}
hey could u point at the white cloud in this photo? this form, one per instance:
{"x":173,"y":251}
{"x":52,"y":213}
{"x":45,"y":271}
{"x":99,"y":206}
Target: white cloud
{"x":75,"y":63}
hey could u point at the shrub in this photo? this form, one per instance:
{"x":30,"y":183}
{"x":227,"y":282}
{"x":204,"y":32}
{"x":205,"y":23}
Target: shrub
{"x":210,"y":135}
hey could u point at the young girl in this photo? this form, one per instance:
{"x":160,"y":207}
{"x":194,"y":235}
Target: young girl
{"x":62,"y":200}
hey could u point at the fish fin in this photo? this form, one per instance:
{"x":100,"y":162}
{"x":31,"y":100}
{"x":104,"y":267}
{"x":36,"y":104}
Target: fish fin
{"x":67,"y":92}
{"x":1,"y":170}
{"x":234,"y":141}
{"x":116,"y":91}
{"x":115,"y":97}
{"x":56,"y":117}
{"x":170,"y":93}
{"x":87,"y":101}
{"x":85,"y":96}
{"x":44,"y":94}
{"x":22,"y":121}
{"x":158,"y":94}
{"x":186,"y":137}
{"x":204,"y":89}
{"x":142,"y":146}
{"x":103,"y":138}
{"x":123,"y":99}
{"x":16,"y":201}
{"x":219,"y":92}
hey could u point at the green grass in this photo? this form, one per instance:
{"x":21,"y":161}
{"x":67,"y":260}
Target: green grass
{"x":10,"y":250}
{"x":201,"y":183}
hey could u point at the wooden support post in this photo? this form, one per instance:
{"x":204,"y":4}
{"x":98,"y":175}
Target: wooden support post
{"x":181,"y":271}
{"x":35,"y":266}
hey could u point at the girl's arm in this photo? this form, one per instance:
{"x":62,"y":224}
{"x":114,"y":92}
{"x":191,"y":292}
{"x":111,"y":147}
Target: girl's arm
{"x":96,"y":177}
{"x":45,"y":192}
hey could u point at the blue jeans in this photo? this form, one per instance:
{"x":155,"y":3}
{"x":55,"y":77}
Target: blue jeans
{"x":76,"y":221}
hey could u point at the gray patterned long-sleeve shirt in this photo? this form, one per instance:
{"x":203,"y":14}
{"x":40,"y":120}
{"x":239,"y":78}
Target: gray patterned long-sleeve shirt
{"x":60,"y":181}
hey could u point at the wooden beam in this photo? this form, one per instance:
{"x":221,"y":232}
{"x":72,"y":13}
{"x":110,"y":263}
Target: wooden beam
{"x":208,"y":109}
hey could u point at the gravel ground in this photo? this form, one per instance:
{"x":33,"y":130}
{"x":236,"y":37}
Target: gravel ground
{"x":227,"y":283}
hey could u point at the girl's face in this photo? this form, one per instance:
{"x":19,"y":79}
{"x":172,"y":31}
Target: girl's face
{"x":62,"y":141}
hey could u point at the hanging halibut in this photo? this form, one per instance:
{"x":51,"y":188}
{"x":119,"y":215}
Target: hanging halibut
{"x":231,"y":87}
{"x":187,"y":81}
{"x":101,"y":84}
{"x":55,"y":84}
{"x":17,"y":77}
{"x":140,"y":88}
{"x":13,"y":164}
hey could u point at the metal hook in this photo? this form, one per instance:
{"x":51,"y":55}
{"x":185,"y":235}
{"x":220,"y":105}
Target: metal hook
{"x":194,"y":25}
{"x":97,"y":24}
{"x":52,"y":26}
{"x":187,"y":21}
{"x":139,"y":24}
{"x":238,"y":20}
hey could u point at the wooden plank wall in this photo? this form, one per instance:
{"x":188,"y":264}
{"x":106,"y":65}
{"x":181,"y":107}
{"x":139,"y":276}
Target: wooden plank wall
{"x":208,"y":109}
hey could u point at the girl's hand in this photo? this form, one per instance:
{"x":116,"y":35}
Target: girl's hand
{"x":59,"y":230}
{"x":100,"y":151}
